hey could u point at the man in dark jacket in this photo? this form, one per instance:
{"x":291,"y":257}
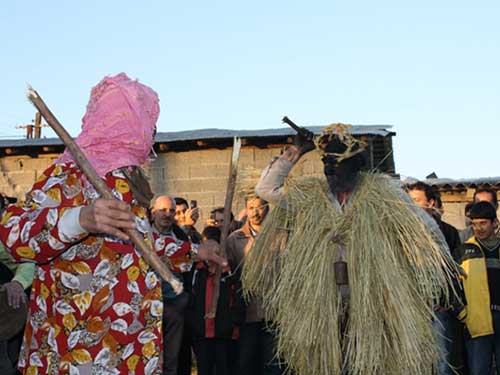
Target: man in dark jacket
{"x":448,"y":329}
{"x":256,"y":354}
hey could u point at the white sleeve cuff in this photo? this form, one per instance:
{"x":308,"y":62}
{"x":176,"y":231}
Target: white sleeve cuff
{"x":194,"y":248}
{"x":69,"y":225}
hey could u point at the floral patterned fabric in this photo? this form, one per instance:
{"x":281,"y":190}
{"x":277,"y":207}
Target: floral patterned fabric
{"x":177,"y":251}
{"x":95,"y":304}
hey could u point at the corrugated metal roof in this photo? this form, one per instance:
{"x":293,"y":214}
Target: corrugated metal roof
{"x":458,"y":183}
{"x":201,"y":134}
{"x":285,"y":131}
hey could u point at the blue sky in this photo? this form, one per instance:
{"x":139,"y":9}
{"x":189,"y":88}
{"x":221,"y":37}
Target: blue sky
{"x":430,"y":68}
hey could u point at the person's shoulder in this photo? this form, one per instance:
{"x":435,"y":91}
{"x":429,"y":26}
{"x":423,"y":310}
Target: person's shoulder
{"x":59,"y":170}
{"x":56,"y":175}
{"x":179,"y":233}
{"x":470,"y":249}
{"x":236,"y":236}
{"x":449,"y":227}
{"x":244,"y":231}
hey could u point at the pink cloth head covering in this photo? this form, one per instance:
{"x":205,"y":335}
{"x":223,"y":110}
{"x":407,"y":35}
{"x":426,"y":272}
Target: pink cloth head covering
{"x":119,"y":125}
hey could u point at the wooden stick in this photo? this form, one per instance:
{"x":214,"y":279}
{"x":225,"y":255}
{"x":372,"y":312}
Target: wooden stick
{"x":149,"y":255}
{"x":231,"y":185}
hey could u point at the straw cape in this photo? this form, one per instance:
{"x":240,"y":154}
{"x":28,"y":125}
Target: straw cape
{"x":397,"y":272}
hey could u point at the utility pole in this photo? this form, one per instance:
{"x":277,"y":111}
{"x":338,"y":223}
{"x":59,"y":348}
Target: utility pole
{"x":36,"y":127}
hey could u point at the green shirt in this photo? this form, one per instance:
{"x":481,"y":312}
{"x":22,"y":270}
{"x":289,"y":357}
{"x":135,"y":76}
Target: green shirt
{"x":23,"y":272}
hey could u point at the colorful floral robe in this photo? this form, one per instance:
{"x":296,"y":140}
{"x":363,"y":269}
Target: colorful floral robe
{"x":95,"y":304}
{"x":179,"y":253}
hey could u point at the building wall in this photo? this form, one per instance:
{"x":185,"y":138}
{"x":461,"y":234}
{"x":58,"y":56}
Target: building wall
{"x":202,"y":175}
{"x":198,"y":174}
{"x":19,"y":173}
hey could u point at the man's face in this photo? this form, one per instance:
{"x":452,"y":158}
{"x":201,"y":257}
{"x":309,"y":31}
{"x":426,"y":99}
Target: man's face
{"x":483,"y":196}
{"x":484,"y":228}
{"x":341,"y":177}
{"x":256,"y":211}
{"x":180,"y":212}
{"x":420,"y":199}
{"x":163,"y":213}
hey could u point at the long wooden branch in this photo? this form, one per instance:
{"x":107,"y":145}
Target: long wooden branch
{"x":231,"y":185}
{"x":149,"y":255}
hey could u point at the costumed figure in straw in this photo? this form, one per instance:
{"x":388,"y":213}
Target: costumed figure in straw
{"x":347,"y":267}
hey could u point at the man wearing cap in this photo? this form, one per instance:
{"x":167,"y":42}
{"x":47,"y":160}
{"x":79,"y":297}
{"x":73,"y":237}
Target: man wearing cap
{"x":357,"y":259}
{"x":96,"y":305}
{"x":480,"y":258}
{"x":481,"y":194}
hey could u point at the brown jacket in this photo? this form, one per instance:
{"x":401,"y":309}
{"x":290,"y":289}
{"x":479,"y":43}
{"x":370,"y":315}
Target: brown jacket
{"x":238,"y":244}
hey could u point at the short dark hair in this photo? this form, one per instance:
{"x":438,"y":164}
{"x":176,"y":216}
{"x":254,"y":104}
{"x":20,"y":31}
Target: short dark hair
{"x":221,"y":211}
{"x":5,"y":201}
{"x":430,"y":192}
{"x":211,"y":233}
{"x":482,"y":210}
{"x":492,"y":192}
{"x":467,"y":208}
{"x":180,"y":201}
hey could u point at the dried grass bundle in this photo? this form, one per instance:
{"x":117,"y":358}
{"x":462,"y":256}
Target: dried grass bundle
{"x":396,"y":274}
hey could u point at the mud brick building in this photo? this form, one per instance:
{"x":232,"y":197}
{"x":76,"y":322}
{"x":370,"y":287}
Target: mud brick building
{"x":191,"y":164}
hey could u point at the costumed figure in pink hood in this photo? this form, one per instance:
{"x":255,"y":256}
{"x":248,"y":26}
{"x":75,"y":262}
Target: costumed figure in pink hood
{"x":95,"y":305}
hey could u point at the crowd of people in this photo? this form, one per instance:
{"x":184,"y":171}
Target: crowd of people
{"x":77,"y":297}
{"x":466,"y":336}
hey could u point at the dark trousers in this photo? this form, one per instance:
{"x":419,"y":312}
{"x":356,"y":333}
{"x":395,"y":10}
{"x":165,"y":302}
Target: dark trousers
{"x":184,"y":362}
{"x":6,"y":365}
{"x":9,"y":355}
{"x":480,"y":350}
{"x":257,"y":349}
{"x":212,"y":356}
{"x":173,"y":327}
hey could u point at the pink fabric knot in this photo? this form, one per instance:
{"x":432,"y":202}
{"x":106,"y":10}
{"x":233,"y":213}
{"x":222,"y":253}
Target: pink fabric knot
{"x":119,"y":125}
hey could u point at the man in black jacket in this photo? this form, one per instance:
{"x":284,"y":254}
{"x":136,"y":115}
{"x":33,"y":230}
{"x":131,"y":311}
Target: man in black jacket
{"x":448,"y":328}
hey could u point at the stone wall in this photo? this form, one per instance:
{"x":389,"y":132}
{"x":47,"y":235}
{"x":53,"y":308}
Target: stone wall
{"x":197,"y":174}
{"x":202,"y":175}
{"x":19,"y":173}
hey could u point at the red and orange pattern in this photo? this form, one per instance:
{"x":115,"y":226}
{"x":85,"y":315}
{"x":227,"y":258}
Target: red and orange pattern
{"x":175,"y":252}
{"x":95,"y":305}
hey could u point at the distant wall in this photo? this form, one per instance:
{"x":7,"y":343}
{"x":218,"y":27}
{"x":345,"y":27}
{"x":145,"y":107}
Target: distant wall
{"x":19,"y":173}
{"x":200,"y":175}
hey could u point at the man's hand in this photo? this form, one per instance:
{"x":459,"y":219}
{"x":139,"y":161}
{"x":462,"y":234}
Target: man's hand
{"x":108,"y":216}
{"x":15,"y":294}
{"x":304,"y":142}
{"x":211,"y":222}
{"x":191,"y":216}
{"x":208,"y":251}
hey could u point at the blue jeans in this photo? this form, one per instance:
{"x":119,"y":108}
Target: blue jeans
{"x":443,"y":330}
{"x":480,"y":350}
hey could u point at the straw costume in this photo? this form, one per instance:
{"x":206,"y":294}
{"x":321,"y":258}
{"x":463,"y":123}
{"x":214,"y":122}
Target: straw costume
{"x":347,"y":267}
